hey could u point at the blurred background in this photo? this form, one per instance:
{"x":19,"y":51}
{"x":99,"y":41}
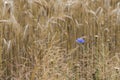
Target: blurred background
{"x":38,"y":40}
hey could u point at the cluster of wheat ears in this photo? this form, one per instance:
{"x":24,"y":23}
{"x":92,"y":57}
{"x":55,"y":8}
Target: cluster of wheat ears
{"x":38,"y":39}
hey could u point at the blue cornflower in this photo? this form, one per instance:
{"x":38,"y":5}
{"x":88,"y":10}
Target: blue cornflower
{"x":80,"y":40}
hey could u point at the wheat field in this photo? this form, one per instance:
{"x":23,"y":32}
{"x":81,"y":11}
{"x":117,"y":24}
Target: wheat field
{"x":38,"y":39}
